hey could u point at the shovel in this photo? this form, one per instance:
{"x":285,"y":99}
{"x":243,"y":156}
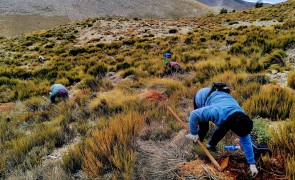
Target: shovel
{"x":224,"y":163}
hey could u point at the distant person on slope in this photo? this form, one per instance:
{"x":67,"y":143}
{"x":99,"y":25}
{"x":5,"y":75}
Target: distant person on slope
{"x":173,"y":66}
{"x":58,"y":90}
{"x":217,"y":105}
{"x":167,"y":54}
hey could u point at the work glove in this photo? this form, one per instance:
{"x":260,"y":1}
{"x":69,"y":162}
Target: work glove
{"x":192,"y":137}
{"x":253,"y":170}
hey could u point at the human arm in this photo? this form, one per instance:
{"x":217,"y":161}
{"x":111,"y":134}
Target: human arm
{"x":248,"y":148}
{"x":248,"y":151}
{"x":197,"y":116}
{"x":51,"y":97}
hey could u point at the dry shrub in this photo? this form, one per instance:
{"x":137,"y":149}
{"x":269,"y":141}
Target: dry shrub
{"x":111,"y":101}
{"x":230,"y":78}
{"x":244,"y":91}
{"x":36,"y":104}
{"x":271,"y":102}
{"x":168,"y":86}
{"x":275,"y":57}
{"x":153,"y":95}
{"x":111,"y":147}
{"x":72,"y":161}
{"x":283,"y":145}
{"x":206,"y":69}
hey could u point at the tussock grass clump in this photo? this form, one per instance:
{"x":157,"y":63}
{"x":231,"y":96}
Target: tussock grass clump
{"x":283,"y":145}
{"x":72,"y":161}
{"x":244,"y":91}
{"x":36,"y":104}
{"x":168,"y":86}
{"x":291,"y":79}
{"x":20,"y":148}
{"x":207,"y":69}
{"x":135,"y":72}
{"x":98,"y":70}
{"x":26,"y":90}
{"x":230,"y":78}
{"x":111,"y":148}
{"x":271,"y":102}
{"x":111,"y":102}
{"x":276,"y":57}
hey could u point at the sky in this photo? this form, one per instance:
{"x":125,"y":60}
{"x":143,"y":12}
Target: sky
{"x":268,"y":1}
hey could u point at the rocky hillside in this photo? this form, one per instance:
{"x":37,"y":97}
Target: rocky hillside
{"x":116,"y":125}
{"x":112,"y":8}
{"x":228,"y":4}
{"x":17,"y":16}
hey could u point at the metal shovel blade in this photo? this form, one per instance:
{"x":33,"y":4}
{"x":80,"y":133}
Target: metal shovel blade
{"x":224,"y":163}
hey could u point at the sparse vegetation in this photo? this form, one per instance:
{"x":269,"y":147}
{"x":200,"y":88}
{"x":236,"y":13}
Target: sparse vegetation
{"x":107,"y":108}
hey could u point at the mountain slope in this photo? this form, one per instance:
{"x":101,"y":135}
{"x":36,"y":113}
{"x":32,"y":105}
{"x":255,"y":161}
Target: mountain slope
{"x":112,"y":8}
{"x":18,"y":16}
{"x":116,"y":119}
{"x":229,"y":4}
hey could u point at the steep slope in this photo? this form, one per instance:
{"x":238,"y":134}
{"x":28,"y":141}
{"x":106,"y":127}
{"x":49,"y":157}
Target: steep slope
{"x":108,"y":64}
{"x":18,"y":16}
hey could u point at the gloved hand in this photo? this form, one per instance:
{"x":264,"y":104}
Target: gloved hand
{"x":192,"y":137}
{"x":253,"y":170}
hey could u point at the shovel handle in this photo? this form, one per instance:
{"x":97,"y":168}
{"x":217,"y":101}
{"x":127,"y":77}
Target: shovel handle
{"x":198,"y":141}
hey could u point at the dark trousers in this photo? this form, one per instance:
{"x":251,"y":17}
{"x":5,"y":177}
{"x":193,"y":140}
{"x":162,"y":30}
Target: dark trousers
{"x":218,"y":134}
{"x":238,"y":122}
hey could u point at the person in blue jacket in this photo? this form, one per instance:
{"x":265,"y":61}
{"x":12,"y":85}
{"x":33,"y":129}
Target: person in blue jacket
{"x":217,"y":105}
{"x":58,"y":90}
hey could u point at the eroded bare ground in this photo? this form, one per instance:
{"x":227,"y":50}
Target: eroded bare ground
{"x":12,"y":25}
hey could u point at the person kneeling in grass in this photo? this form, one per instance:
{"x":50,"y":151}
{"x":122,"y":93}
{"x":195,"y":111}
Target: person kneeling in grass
{"x":58,"y":90}
{"x":173,"y":67}
{"x":217,"y":105}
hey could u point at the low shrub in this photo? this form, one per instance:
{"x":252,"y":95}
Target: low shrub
{"x":276,"y":57}
{"x":72,"y":161}
{"x":283,"y":145}
{"x":168,"y":86}
{"x":36,"y":104}
{"x":111,"y":102}
{"x":99,"y":70}
{"x":244,"y":91}
{"x":172,"y":31}
{"x":271,"y":102}
{"x":111,"y":148}
{"x":261,"y":131}
{"x":76,"y":51}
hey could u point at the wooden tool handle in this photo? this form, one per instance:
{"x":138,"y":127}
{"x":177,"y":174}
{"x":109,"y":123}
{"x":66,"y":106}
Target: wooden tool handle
{"x":198,"y":141}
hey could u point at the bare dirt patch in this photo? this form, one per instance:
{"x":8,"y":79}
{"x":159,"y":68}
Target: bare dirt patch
{"x":12,"y":25}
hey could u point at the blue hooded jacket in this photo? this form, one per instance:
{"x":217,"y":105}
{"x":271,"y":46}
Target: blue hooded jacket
{"x":54,"y":89}
{"x":217,"y":108}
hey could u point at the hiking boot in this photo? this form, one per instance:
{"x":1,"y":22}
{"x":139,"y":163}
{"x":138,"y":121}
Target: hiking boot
{"x":211,"y":148}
